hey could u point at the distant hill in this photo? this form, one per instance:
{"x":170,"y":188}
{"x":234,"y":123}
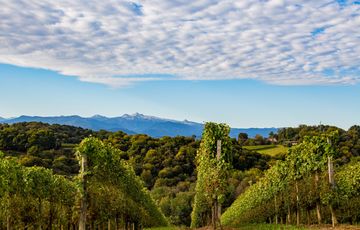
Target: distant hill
{"x":136,"y":124}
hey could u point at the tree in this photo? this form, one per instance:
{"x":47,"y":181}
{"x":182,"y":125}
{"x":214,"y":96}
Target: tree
{"x":259,"y":140}
{"x":242,"y":138}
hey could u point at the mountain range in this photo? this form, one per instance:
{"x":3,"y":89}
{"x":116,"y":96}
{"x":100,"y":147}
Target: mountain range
{"x":136,"y":124}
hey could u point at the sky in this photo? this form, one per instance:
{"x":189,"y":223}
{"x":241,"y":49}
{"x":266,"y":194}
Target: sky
{"x":253,"y":63}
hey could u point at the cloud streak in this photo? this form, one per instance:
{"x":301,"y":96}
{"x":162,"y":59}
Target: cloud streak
{"x":280,"y":42}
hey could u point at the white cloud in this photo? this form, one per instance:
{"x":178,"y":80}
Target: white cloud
{"x":110,"y":42}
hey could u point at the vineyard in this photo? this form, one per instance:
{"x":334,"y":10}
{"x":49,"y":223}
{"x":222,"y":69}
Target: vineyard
{"x":300,"y":190}
{"x":106,"y":192}
{"x":312,"y":184}
{"x":213,"y":161}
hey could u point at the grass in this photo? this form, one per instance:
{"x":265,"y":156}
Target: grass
{"x":292,"y":227}
{"x":163,"y":228}
{"x":271,"y":150}
{"x":265,"y":227}
{"x":241,"y":227}
{"x":68,"y":145}
{"x":269,"y":227}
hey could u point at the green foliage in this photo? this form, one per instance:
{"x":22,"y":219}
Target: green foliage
{"x":271,"y":150}
{"x":175,"y":202}
{"x":242,"y":137}
{"x":273,"y":194}
{"x":269,"y":227}
{"x":22,"y":136}
{"x":163,"y":228}
{"x":34,"y":196}
{"x":348,"y":180}
{"x":160,"y":162}
{"x":348,"y":192}
{"x":167,"y":167}
{"x":39,"y":144}
{"x":212,"y":133}
{"x":348,"y":144}
{"x":114,"y":189}
{"x":212,"y":172}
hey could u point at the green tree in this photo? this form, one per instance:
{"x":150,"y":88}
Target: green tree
{"x":242,"y":138}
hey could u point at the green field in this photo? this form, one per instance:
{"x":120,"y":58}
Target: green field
{"x":165,"y":228}
{"x":270,"y":227}
{"x":271,"y":150}
{"x":293,"y":227}
{"x":266,"y":227}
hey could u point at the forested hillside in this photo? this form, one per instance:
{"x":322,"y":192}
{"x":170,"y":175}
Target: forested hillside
{"x":167,"y":166}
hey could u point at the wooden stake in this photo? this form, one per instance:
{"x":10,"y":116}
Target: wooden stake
{"x":83,"y":204}
{"x":276,"y":210}
{"x":217,"y":206}
{"x":332,"y":184}
{"x":297,"y":204}
{"x":318,"y":211}
{"x":8,"y":222}
{"x":218,"y":149}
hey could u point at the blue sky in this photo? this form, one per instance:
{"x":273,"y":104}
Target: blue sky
{"x":254,"y":63}
{"x":241,"y":103}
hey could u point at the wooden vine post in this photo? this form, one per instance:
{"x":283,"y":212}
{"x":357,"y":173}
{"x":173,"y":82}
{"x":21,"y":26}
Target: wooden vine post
{"x":213,"y":161}
{"x":297,"y":203}
{"x":332,"y":184}
{"x":83,"y":204}
{"x":318,"y":210}
{"x":8,"y":222}
{"x":217,"y":205}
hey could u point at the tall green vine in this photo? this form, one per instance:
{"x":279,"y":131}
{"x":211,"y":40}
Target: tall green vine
{"x":211,"y":172}
{"x":288,"y":186}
